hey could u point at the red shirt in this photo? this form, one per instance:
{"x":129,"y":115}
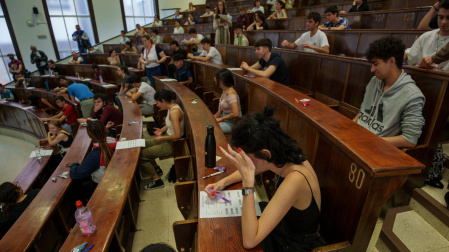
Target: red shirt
{"x":70,"y":113}
{"x":244,"y":20}
{"x":108,"y":113}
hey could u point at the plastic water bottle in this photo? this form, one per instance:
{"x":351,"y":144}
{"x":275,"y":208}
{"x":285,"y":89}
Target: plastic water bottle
{"x":37,"y":150}
{"x":77,"y":75}
{"x":84,"y":219}
{"x":240,"y":40}
{"x":210,"y":147}
{"x":101,"y":80}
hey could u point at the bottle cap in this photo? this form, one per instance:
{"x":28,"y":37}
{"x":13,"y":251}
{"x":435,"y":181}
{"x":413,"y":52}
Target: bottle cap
{"x":210,"y":129}
{"x":79,"y":204}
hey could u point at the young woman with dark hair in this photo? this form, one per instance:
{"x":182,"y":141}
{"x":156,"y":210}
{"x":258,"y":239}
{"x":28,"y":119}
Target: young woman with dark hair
{"x":221,"y":25}
{"x":160,"y":146}
{"x":57,"y":137}
{"x":124,"y":75}
{"x":97,"y":73}
{"x":113,"y":58}
{"x":229,"y":105}
{"x":290,"y":221}
{"x":280,"y":11}
{"x":13,"y":202}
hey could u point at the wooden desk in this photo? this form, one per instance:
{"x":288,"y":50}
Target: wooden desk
{"x":131,"y":58}
{"x":117,"y":194}
{"x":169,"y":37}
{"x":355,"y":180}
{"x":111,"y":74}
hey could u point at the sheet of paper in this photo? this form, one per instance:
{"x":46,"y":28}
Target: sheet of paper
{"x":225,"y":17}
{"x":167,"y":79}
{"x":217,"y":158}
{"x":217,"y":207}
{"x":130,"y":144}
{"x":109,"y":85}
{"x":31,"y":87}
{"x":87,"y":79}
{"x":43,"y":153}
{"x":29,"y":107}
{"x":234,"y":68}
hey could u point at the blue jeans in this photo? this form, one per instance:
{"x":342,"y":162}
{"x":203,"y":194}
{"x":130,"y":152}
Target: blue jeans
{"x":197,"y":53}
{"x":82,"y":49}
{"x":153,"y":71}
{"x":67,"y":127}
{"x":226,"y":126}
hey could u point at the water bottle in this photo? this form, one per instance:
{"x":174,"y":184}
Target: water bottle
{"x":84,"y":219}
{"x":240,"y":40}
{"x":210,"y":147}
{"x":123,"y":63}
{"x":77,"y":75}
{"x":101,"y":80}
{"x":37,"y":151}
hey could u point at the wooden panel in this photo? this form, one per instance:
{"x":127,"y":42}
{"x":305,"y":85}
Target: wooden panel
{"x":332,"y":78}
{"x":304,"y":133}
{"x":308,"y":79}
{"x":345,"y":44}
{"x":358,"y":79}
{"x":233,"y":60}
{"x":401,"y":20}
{"x":373,"y":21}
{"x":365,"y":40}
{"x":253,"y":36}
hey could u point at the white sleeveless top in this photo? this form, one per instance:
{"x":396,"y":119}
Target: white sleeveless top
{"x":169,"y":124}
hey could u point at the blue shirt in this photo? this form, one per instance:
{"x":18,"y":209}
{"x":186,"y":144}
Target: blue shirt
{"x":188,"y":72}
{"x":8,"y":94}
{"x":195,"y":20}
{"x":341,"y":21}
{"x":80,"y":91}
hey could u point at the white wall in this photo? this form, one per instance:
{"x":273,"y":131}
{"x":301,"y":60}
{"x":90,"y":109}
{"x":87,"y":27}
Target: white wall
{"x":183,"y":4}
{"x":19,"y":12}
{"x":108,"y":17}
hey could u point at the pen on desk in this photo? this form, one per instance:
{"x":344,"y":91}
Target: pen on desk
{"x":88,"y":248}
{"x":296,"y":100}
{"x":216,"y":194}
{"x":191,"y":99}
{"x":213,"y":174}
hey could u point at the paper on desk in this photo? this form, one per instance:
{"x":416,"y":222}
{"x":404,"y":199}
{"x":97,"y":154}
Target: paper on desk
{"x":130,"y":144}
{"x":216,"y":207}
{"x":167,"y":79}
{"x":29,"y":107}
{"x":31,"y":87}
{"x":217,"y":158}
{"x":234,"y":68}
{"x":87,"y":79}
{"x":109,"y":85}
{"x":43,"y":153}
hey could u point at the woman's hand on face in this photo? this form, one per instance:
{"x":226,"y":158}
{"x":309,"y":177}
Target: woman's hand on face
{"x":243,"y":163}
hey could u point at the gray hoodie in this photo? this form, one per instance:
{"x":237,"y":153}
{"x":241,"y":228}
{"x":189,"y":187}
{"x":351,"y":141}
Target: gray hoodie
{"x":400,"y":109}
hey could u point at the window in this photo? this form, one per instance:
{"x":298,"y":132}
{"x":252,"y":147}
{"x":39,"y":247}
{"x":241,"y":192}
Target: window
{"x":64,"y":16}
{"x":138,"y":12}
{"x":5,"y":48}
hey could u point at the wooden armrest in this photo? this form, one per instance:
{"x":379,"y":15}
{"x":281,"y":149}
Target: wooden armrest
{"x":333,"y":247}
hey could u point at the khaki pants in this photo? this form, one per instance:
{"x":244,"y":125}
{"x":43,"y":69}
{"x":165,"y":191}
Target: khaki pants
{"x":86,"y":107}
{"x":149,"y":153}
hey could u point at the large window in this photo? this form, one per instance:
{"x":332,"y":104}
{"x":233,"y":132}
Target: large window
{"x":138,"y":12}
{"x":5,"y":48}
{"x":64,"y":16}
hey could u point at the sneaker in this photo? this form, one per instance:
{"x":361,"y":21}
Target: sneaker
{"x":156,"y":184}
{"x":159,"y":171}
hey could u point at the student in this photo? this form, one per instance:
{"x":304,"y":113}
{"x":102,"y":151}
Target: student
{"x":181,"y":70}
{"x":333,"y":21}
{"x":190,"y":8}
{"x":430,"y":20}
{"x":39,"y":58}
{"x":80,"y":92}
{"x":270,"y":65}
{"x":195,"y":39}
{"x":314,"y":40}
{"x":67,"y":112}
{"x":123,"y":72}
{"x":432,"y":41}
{"x":259,"y":22}
{"x":15,"y":66}
{"x":21,"y":82}
{"x":273,"y":6}
{"x":97,"y":73}
{"x":221,"y":25}
{"x":392,"y":105}
{"x":291,"y":220}
{"x":280,"y":11}
{"x":129,"y":48}
{"x":105,"y":113}
{"x":240,"y":38}
{"x":229,"y":105}
{"x":123,"y":39}
{"x":57,"y":136}
{"x":177,"y":14}
{"x":257,"y":7}
{"x":113,"y":58}
{"x":431,"y":61}
{"x":178,"y":28}
{"x":210,"y":53}
{"x":156,"y":22}
{"x":77,"y":59}
{"x":208,"y":12}
{"x":142,"y":89}
{"x":155,"y":37}
{"x":62,"y":88}
{"x":40,"y":103}
{"x":6,"y":94}
{"x":160,"y":145}
{"x":86,"y":176}
{"x":243,"y":19}
{"x":191,"y":20}
{"x":176,"y":49}
{"x":14,"y":202}
{"x":357,"y":6}
{"x":151,"y":56}
{"x":93,"y":50}
{"x":54,"y":69}
{"x":139,"y":31}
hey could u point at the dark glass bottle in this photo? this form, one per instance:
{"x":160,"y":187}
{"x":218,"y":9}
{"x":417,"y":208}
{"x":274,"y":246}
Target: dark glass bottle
{"x":210,"y":149}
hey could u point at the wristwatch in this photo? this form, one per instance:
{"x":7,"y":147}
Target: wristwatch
{"x":247,"y":190}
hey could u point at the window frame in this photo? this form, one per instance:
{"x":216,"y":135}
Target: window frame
{"x":13,"y":38}
{"x":156,"y":12}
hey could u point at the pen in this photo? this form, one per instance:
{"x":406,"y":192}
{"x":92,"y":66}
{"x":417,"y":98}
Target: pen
{"x":88,"y":248}
{"x":216,"y":194}
{"x":213,"y":174}
{"x":296,"y":100}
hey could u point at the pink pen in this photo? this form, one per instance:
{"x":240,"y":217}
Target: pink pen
{"x":216,"y":194}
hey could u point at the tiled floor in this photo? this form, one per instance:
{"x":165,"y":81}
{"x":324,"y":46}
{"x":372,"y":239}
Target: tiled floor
{"x":17,"y":153}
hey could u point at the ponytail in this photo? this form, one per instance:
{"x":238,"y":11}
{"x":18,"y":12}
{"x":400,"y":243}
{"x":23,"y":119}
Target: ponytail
{"x":97,"y":132}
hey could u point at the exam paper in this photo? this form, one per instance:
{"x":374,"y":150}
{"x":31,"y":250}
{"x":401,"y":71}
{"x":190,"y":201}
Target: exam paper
{"x":225,"y":17}
{"x":87,"y":79}
{"x":234,"y":68}
{"x":29,"y":107}
{"x":109,"y":85}
{"x":168,"y":79}
{"x":130,"y":144}
{"x":43,"y":153}
{"x":216,"y":207}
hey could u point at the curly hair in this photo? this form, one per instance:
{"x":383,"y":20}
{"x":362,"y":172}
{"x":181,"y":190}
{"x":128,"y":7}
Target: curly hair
{"x":259,"y":131}
{"x":9,"y":195}
{"x":385,"y":48}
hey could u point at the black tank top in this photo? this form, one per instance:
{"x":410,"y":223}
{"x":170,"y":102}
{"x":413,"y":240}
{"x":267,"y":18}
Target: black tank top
{"x":68,"y":143}
{"x":305,"y":221}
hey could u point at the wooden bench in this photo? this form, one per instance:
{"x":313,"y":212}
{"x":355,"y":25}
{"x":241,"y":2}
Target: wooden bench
{"x":130,"y":57}
{"x":388,"y":4}
{"x":355,"y":181}
{"x":169,"y":29}
{"x":169,"y":37}
{"x":115,"y":202}
{"x":85,"y":70}
{"x":46,"y":221}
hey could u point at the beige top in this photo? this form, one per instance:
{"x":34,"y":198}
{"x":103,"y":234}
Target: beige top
{"x":226,"y":100}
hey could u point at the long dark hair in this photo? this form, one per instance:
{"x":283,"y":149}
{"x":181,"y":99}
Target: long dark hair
{"x":9,"y":195}
{"x":124,"y":69}
{"x":225,"y":11}
{"x":97,"y":132}
{"x":225,"y":76}
{"x":166,"y":95}
{"x":259,"y":131}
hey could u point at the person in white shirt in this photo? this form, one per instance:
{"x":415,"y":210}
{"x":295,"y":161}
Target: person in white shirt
{"x":314,"y":40}
{"x":273,"y":6}
{"x":178,"y":28}
{"x":142,"y":89}
{"x":195,"y":39}
{"x":257,"y":7}
{"x":151,"y":57}
{"x":155,"y":37}
{"x":156,"y":22}
{"x":123,"y":39}
{"x":238,"y":29}
{"x":209,"y":53}
{"x":432,"y":41}
{"x":280,"y":11}
{"x":208,"y":12}
{"x":177,"y":14}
